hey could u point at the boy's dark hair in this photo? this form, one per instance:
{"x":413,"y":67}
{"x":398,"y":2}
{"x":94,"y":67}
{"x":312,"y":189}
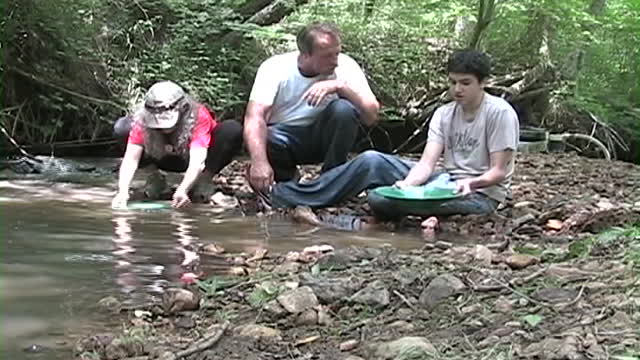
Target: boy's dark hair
{"x":470,"y":61}
{"x":307,"y":36}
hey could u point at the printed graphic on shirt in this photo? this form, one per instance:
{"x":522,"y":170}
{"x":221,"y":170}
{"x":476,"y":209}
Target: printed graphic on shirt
{"x":463,"y":142}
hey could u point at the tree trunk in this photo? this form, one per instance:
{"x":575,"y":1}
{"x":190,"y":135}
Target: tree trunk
{"x":275,"y":12}
{"x":251,"y":7}
{"x":369,"y":6}
{"x":486,"y":9}
{"x":596,"y":8}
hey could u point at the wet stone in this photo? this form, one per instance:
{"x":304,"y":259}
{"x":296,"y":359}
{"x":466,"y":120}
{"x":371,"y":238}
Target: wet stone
{"x":110,"y":304}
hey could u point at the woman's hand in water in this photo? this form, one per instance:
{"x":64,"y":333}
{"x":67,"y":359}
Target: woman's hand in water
{"x":120,"y":200}
{"x":180,"y":199}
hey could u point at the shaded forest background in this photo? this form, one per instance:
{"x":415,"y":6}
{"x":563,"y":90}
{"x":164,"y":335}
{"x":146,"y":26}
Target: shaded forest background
{"x":71,"y":67}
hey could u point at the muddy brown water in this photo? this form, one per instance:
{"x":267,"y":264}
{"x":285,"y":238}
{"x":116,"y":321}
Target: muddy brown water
{"x":63,"y":249}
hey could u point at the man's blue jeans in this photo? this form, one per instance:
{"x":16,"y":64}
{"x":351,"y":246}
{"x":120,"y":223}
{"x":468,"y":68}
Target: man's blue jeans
{"x":367,"y":171}
{"x":327,"y":140}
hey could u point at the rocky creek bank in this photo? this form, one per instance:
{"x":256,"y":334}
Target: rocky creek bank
{"x":537,"y":280}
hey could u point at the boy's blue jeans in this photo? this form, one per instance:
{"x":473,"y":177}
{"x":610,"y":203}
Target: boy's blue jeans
{"x":370,"y":170}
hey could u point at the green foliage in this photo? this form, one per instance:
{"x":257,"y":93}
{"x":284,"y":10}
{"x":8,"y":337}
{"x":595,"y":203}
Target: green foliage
{"x":263,"y":293}
{"x":532,"y":319}
{"x":193,"y":57}
{"x":215,"y":285}
{"x":88,"y":60}
{"x":624,"y":240}
{"x":626,"y":357}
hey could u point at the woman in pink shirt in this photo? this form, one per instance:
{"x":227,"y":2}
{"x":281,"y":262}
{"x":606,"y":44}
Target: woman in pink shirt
{"x":177,"y":134}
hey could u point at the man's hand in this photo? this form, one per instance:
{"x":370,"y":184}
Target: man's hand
{"x":120,"y":200}
{"x":180,"y":199}
{"x":318,"y":91}
{"x":464,"y":186}
{"x":261,"y":175}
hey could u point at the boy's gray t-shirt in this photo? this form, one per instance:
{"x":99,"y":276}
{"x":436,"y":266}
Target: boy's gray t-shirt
{"x":467,"y":144}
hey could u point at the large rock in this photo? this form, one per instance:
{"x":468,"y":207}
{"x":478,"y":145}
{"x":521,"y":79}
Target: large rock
{"x":418,"y":347}
{"x":329,"y":291}
{"x":176,"y":299}
{"x":374,"y":294}
{"x":439,"y":289}
{"x":298,"y":300}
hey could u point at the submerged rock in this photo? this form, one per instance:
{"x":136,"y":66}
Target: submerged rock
{"x":110,"y":304}
{"x":94,"y":343}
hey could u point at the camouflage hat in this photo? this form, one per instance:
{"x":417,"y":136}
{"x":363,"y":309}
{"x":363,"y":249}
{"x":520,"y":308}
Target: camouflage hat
{"x":160,"y":105}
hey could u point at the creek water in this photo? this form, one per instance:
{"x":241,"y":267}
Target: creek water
{"x":64,"y":248}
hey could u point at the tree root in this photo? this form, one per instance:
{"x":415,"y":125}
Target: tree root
{"x":199,"y":346}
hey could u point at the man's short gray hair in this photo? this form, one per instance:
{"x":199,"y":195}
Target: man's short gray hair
{"x":307,"y":36}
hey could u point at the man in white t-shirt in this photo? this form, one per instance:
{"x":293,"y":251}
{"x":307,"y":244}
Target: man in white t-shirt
{"x":305,"y":107}
{"x":476,"y":135}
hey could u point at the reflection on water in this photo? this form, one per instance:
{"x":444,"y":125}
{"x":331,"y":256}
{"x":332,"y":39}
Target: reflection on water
{"x":64,"y":249}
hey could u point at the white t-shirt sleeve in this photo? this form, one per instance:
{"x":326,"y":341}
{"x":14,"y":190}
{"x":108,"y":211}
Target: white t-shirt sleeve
{"x":265,"y":85}
{"x":350,"y":72}
{"x":503,"y":130}
{"x":436,"y":133}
